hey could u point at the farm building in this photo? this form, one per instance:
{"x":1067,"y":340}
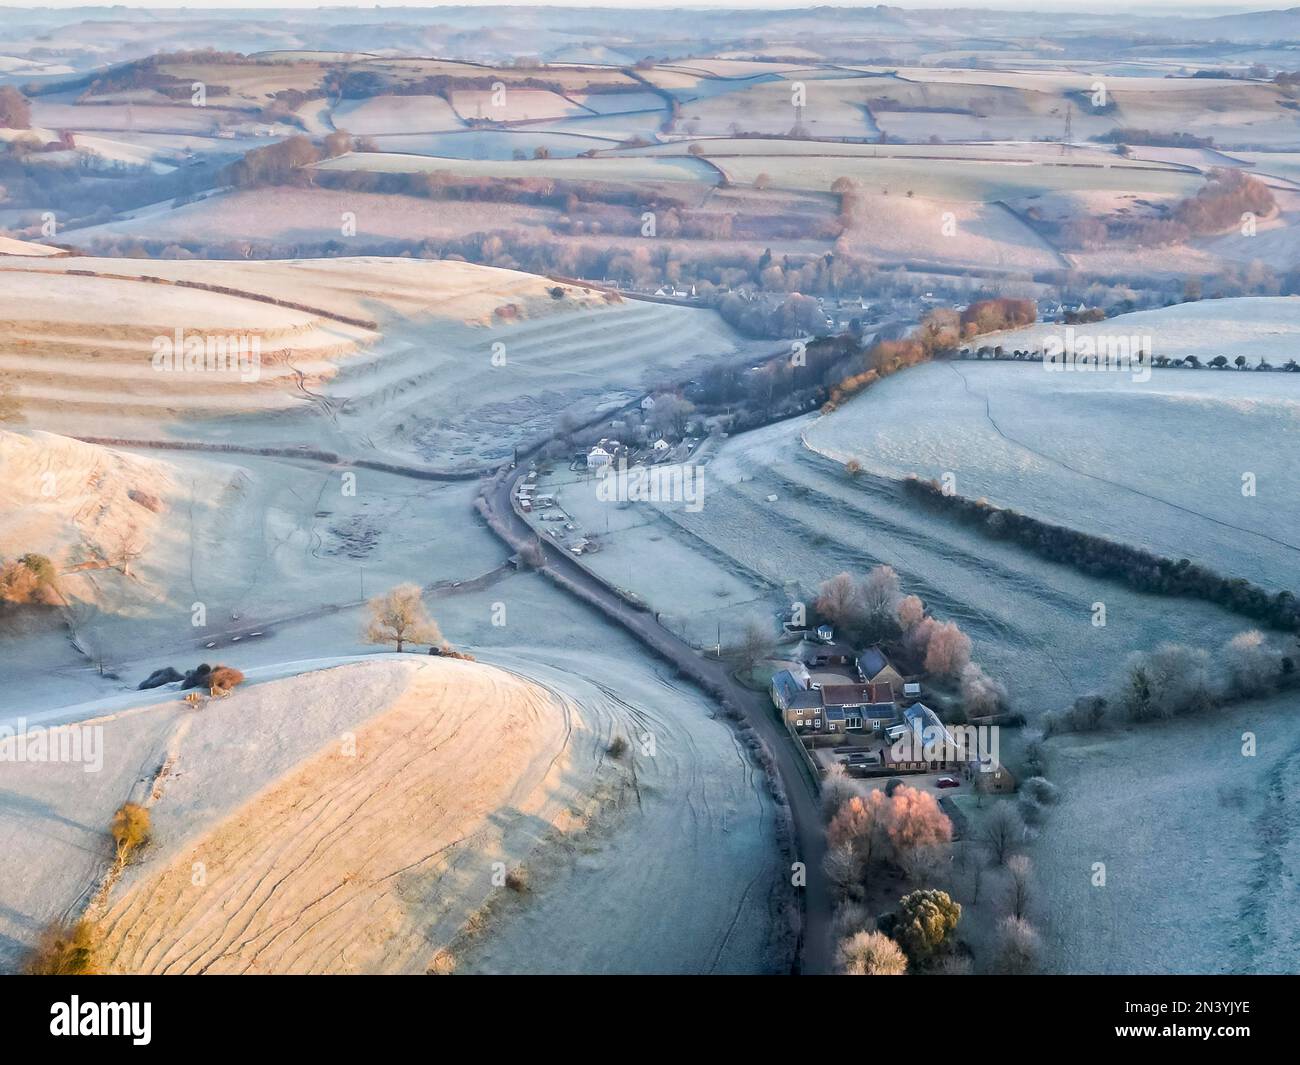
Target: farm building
{"x":875,"y":668}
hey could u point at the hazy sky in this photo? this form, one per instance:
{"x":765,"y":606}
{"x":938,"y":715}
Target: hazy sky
{"x":1136,"y":7}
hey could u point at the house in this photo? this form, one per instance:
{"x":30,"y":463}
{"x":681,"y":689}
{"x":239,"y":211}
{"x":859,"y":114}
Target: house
{"x":875,"y":668}
{"x":661,"y":445}
{"x":648,"y":404}
{"x":921,"y":741}
{"x":786,"y":685}
{"x":799,"y":671}
{"x":995,"y":781}
{"x":860,"y":711}
{"x":598,"y":457}
{"x":805,"y":713}
{"x":880,"y":693}
{"x":825,"y":634}
{"x":925,"y":723}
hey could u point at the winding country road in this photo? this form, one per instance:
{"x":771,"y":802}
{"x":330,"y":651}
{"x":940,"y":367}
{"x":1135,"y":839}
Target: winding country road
{"x":814,"y":953}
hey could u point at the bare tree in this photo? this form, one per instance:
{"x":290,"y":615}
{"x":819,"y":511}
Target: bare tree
{"x":844,"y":870}
{"x":871,"y":954}
{"x":839,"y":600}
{"x":980,"y":693}
{"x":533,"y":555}
{"x":976,"y":881}
{"x":1004,"y":830}
{"x":1021,"y":870}
{"x":910,"y":611}
{"x":880,"y":598}
{"x":671,"y":413}
{"x":837,"y":789}
{"x":399,"y":617}
{"x":756,"y":644}
{"x":125,"y":548}
{"x":1018,"y":946}
{"x":862,"y":824}
{"x":948,"y":650}
{"x":919,"y":831}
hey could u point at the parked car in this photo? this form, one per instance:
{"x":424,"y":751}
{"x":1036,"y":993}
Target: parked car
{"x":948,"y":782}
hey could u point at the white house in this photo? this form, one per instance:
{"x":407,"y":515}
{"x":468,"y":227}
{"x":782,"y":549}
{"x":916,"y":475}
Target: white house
{"x":598,"y":457}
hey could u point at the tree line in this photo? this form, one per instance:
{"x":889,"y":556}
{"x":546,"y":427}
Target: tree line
{"x":1098,"y":556}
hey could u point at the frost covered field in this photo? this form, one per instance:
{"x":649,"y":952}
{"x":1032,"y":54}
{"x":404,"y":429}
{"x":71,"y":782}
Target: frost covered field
{"x":1198,"y":841}
{"x":741,"y":555}
{"x":1104,"y":453}
{"x":687,"y":791}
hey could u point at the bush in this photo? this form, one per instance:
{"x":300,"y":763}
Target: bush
{"x":64,"y":950}
{"x":517,"y":880}
{"x":130,"y":830}
{"x":224,"y":678}
{"x":1031,"y":811}
{"x":30,"y":579}
{"x":1042,"y":790}
{"x":617,"y":747}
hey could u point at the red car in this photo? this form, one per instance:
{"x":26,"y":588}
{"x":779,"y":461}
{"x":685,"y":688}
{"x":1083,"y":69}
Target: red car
{"x":948,"y":782}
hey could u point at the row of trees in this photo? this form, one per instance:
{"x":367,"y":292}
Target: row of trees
{"x":1176,"y":680}
{"x":1100,"y":557}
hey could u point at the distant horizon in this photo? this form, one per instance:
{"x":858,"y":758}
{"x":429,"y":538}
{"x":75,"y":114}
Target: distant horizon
{"x":1074,"y":7}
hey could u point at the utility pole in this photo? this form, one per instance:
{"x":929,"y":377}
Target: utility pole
{"x":1068,"y":136}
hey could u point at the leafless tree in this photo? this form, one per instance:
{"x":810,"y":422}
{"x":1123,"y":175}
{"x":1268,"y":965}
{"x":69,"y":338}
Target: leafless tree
{"x":862,"y":824}
{"x":910,"y":611}
{"x":837,"y":789}
{"x":1021,"y":870}
{"x":948,"y":650}
{"x":871,"y":954}
{"x":124,"y":548}
{"x":880,"y":598}
{"x":1004,"y":830}
{"x":1018,"y":946}
{"x":756,"y":644}
{"x":839,"y":600}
